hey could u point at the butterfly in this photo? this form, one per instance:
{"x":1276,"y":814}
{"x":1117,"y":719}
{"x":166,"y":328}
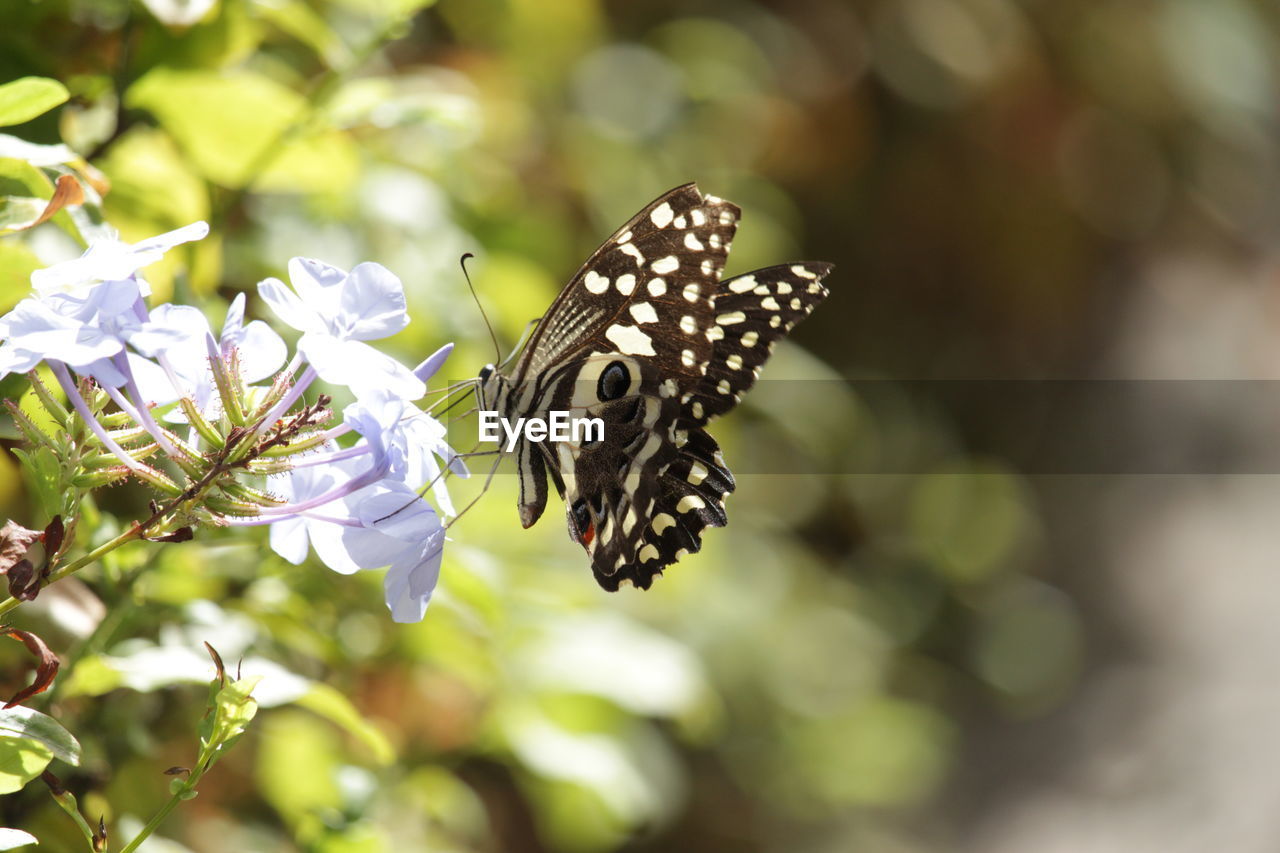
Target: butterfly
{"x":647,"y":338}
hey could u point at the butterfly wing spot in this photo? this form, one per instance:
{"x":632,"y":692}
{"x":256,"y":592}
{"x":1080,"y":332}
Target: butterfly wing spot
{"x":691,"y":241}
{"x":630,"y":340}
{"x":715,"y":240}
{"x":642,"y":312}
{"x":668,"y":388}
{"x":815,"y":288}
{"x":595,"y":282}
{"x":715,"y":333}
{"x":687,"y":359}
{"x":666,"y":265}
{"x":730,"y":318}
{"x":697,"y":473}
{"x":770,"y":304}
{"x":734,"y":362}
{"x":795,"y":303}
{"x":708,"y":267}
{"x":630,"y":249}
{"x":691,"y":292}
{"x":688,"y":325}
{"x":698,"y":216}
{"x":783,"y":288}
{"x":657,"y":286}
{"x":748,"y":340}
{"x":648,"y":554}
{"x":680,"y":221}
{"x":742,"y":283}
{"x":722,"y":387}
{"x":775,"y":321}
{"x":689,"y":503}
{"x":697,"y":409}
{"x":628,"y":521}
{"x":625,"y":284}
{"x":662,"y":215}
{"x":661,"y":522}
{"x":625,"y":238}
{"x":799,"y":269}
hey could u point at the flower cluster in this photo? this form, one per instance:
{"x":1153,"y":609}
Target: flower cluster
{"x":222,"y":431}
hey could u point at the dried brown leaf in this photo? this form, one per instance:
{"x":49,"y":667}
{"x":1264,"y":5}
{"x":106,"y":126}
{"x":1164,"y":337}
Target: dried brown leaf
{"x":15,"y":541}
{"x":46,"y":666}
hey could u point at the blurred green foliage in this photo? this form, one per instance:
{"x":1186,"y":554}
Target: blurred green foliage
{"x":804,"y":683}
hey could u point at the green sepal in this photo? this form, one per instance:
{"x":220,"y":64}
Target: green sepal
{"x":201,"y":424}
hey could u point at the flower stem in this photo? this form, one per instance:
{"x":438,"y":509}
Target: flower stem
{"x":158,"y":818}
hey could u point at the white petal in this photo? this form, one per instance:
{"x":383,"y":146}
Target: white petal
{"x":360,"y":367}
{"x":262,"y":351}
{"x":319,"y":284}
{"x":373,"y":304}
{"x":288,"y":307}
{"x":289,"y":539}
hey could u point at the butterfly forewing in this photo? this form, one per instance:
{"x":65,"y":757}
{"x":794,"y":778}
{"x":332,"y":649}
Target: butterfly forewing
{"x":648,"y":291}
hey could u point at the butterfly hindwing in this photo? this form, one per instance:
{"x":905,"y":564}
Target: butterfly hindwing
{"x":639,"y":499}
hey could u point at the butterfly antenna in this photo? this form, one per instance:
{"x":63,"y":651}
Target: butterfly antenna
{"x":463,"y":263}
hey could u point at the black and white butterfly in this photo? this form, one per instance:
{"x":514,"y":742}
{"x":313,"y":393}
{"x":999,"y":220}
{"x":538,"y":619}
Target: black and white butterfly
{"x":647,"y":338}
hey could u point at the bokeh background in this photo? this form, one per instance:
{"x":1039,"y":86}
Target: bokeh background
{"x":927,"y":636}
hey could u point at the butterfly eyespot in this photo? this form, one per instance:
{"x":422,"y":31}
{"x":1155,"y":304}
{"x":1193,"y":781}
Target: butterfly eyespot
{"x":614,"y":382}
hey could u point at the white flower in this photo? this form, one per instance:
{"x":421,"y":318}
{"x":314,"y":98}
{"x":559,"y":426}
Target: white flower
{"x":260,"y":352}
{"x":112,"y":260}
{"x":337,"y":312}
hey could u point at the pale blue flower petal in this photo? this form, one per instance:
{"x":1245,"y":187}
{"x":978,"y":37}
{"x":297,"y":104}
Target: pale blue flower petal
{"x":432,"y":363}
{"x":359,"y":366}
{"x":373,"y":304}
{"x":289,"y":308}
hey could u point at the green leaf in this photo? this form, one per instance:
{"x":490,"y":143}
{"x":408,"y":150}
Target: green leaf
{"x":13,"y":838}
{"x":92,"y":675}
{"x":224,"y":121}
{"x":31,"y":724}
{"x":337,"y":709}
{"x":28,"y":97}
{"x":388,"y":9}
{"x":237,"y":126}
{"x":233,"y":708}
{"x":19,"y":177}
{"x":302,"y":22}
{"x":151,"y":184}
{"x":17,"y":262}
{"x":21,"y":760}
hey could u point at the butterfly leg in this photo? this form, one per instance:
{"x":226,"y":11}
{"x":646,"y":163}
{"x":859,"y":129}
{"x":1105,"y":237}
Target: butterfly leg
{"x":487,"y":481}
